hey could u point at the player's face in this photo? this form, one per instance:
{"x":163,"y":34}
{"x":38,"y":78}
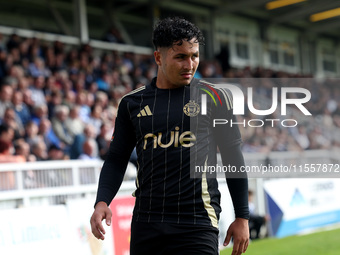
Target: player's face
{"x":177,"y":65}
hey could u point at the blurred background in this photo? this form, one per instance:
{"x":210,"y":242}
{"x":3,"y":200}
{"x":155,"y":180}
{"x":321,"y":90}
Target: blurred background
{"x":64,"y":66}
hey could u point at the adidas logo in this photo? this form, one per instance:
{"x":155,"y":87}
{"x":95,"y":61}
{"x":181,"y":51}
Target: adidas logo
{"x":145,"y":112}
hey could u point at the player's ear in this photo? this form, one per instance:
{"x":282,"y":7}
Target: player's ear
{"x":157,"y":55}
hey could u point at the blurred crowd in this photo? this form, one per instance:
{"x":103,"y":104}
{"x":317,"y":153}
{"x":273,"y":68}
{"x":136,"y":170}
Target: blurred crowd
{"x":60,"y":102}
{"x":320,"y":131}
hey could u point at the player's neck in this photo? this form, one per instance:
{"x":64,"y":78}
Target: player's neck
{"x":163,"y":83}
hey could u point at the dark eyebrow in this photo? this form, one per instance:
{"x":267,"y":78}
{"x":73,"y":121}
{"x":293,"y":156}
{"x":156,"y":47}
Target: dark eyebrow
{"x":184,"y":54}
{"x":180,"y":54}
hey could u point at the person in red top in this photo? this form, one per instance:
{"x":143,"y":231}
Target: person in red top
{"x":7,"y":179}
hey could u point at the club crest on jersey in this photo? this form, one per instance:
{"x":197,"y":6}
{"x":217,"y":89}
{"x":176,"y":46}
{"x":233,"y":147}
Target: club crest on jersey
{"x":191,"y":109}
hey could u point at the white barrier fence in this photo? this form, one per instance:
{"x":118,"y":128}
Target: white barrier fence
{"x":53,"y":182}
{"x":49,"y":182}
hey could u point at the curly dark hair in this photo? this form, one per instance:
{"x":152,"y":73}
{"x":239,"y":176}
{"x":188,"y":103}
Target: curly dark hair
{"x":170,"y":31}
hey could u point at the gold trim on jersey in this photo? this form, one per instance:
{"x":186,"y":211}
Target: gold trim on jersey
{"x":134,"y":91}
{"x":206,"y":198}
{"x":136,"y":182}
{"x":130,"y":93}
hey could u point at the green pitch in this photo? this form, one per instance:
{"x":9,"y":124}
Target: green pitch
{"x":320,"y":243}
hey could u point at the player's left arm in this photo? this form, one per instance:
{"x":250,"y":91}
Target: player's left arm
{"x":229,"y":140}
{"x":238,"y":188}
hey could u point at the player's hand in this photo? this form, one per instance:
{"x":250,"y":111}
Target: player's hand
{"x":101,"y":212}
{"x":239,"y":230}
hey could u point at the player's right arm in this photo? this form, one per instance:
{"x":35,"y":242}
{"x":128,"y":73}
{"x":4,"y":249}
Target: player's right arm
{"x":113,"y":170}
{"x":101,"y":212}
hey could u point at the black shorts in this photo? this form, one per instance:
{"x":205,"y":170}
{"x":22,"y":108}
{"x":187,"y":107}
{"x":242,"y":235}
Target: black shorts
{"x":172,"y":239}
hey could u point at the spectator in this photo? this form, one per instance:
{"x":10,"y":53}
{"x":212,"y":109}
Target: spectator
{"x":58,"y":47}
{"x":302,"y":138}
{"x":59,"y":125}
{"x":116,"y":94}
{"x":38,"y":96}
{"x":23,"y":83}
{"x":103,"y":139}
{"x":74,"y":124}
{"x":39,"y":112}
{"x":56,"y":153}
{"x":31,"y":133}
{"x":7,"y":179}
{"x":85,"y":110}
{"x":56,"y":98}
{"x":50,"y":86}
{"x":20,"y":108}
{"x":6,"y":93}
{"x":89,"y":99}
{"x":96,"y":117}
{"x":101,"y":99}
{"x":13,"y":42}
{"x":6,"y":133}
{"x":138,"y":77}
{"x":38,"y":69}
{"x":39,"y":150}
{"x":70,"y":98}
{"x":13,"y":121}
{"x":92,"y":87}
{"x":35,"y":49}
{"x":49,"y":56}
{"x":77,"y":147}
{"x":27,"y":93}
{"x":47,"y":134}
{"x":23,"y":149}
{"x":89,"y":147}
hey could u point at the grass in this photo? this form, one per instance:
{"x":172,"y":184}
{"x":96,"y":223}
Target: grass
{"x":320,"y":243}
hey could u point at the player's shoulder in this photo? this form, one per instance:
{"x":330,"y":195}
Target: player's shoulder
{"x":219,"y":90}
{"x":218,"y":86}
{"x":129,"y":100}
{"x":134,"y":93}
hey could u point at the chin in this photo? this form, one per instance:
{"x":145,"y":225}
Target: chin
{"x":187,"y":81}
{"x":184,"y":83}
